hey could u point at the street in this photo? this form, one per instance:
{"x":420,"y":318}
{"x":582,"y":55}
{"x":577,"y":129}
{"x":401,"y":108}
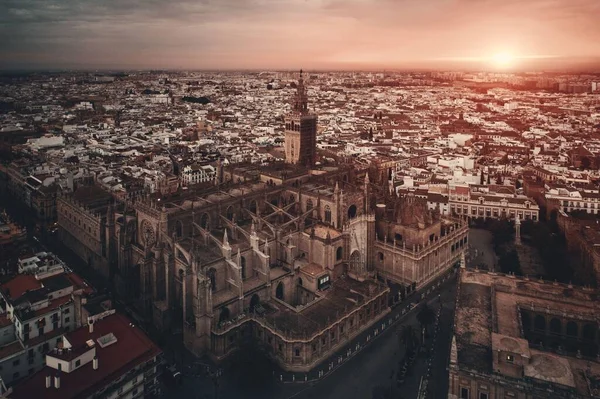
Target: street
{"x":481,"y":252}
{"x":372,"y":362}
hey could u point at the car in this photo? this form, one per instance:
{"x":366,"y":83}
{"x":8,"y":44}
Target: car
{"x":171,"y":375}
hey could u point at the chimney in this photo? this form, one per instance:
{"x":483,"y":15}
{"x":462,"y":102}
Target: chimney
{"x":57,"y":381}
{"x":48,"y":381}
{"x":91,"y":325}
{"x":95,"y":363}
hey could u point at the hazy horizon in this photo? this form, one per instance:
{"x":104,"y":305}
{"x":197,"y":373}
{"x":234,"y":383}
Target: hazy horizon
{"x":495,"y":35}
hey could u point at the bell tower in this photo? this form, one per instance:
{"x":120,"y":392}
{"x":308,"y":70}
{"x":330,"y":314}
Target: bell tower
{"x":300,"y":130}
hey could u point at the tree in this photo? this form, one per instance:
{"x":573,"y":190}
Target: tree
{"x":408,"y":338}
{"x":509,"y":263}
{"x":380,"y":392}
{"x":426,"y":316}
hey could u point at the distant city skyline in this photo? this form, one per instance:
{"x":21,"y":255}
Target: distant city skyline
{"x":502,"y":35}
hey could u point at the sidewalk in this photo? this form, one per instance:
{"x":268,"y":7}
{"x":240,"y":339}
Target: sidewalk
{"x":364,"y":339}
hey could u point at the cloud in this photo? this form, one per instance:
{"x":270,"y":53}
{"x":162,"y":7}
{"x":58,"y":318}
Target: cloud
{"x":286,"y":33}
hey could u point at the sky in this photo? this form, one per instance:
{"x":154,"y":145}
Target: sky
{"x":293,"y":34}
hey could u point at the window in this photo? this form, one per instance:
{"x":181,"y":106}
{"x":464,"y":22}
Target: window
{"x":327,"y":214}
{"x":67,"y":319}
{"x":464,"y":393}
{"x":483,"y":395}
{"x":31,"y":370}
{"x":297,"y":352}
{"x":280,"y":348}
{"x":15,"y":375}
{"x":510,"y":358}
{"x":134,"y":392}
{"x":67,"y":311}
{"x":16,"y":362}
{"x":77,"y":363}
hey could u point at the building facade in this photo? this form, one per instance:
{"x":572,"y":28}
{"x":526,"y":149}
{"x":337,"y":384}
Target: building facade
{"x":109,"y":358}
{"x":195,"y":174}
{"x":521,"y":338}
{"x":263,"y":248}
{"x":301,"y":130}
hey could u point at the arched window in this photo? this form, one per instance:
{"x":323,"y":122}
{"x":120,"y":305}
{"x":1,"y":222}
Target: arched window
{"x":224,"y":315}
{"x":589,"y":332}
{"x":309,"y":204}
{"x":355,"y":260}
{"x":279,"y":291}
{"x":243,"y":266}
{"x":211,"y":274}
{"x":253,"y":206}
{"x":204,"y":221}
{"x":327,"y":214}
{"x":352,"y":212}
{"x":572,"y":329}
{"x":381,"y":257}
{"x":555,"y":326}
{"x":300,"y":281}
{"x":339,"y":253}
{"x":179,"y":229}
{"x":539,"y":323}
{"x":292,"y":199}
{"x":254,"y":302}
{"x":229,"y":213}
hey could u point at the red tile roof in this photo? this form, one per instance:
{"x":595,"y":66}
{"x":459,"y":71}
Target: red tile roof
{"x":132,"y":348}
{"x":52,"y":305}
{"x":79,"y":283}
{"x":10,"y":349}
{"x":16,"y":287}
{"x":5,"y":321}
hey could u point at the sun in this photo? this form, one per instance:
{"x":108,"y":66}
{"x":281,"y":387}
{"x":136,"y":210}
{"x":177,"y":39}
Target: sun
{"x":502,"y":60}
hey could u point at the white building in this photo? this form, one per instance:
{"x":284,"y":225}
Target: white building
{"x":35,"y":314}
{"x":194,"y":174}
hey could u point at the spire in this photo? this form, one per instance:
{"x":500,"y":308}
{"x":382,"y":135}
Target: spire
{"x":300,"y":99}
{"x":225,"y":240}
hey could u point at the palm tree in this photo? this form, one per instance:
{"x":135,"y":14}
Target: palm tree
{"x":426,"y":316}
{"x":407,"y":337}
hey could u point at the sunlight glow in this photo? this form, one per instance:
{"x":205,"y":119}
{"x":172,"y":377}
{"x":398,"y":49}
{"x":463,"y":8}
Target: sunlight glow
{"x":502,"y":60}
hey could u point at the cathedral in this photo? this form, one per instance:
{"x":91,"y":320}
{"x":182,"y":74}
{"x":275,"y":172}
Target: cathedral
{"x":294,"y":259}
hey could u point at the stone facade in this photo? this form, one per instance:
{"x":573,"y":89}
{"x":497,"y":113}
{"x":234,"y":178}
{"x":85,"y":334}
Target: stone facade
{"x":301,"y":130}
{"x":521,"y":338}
